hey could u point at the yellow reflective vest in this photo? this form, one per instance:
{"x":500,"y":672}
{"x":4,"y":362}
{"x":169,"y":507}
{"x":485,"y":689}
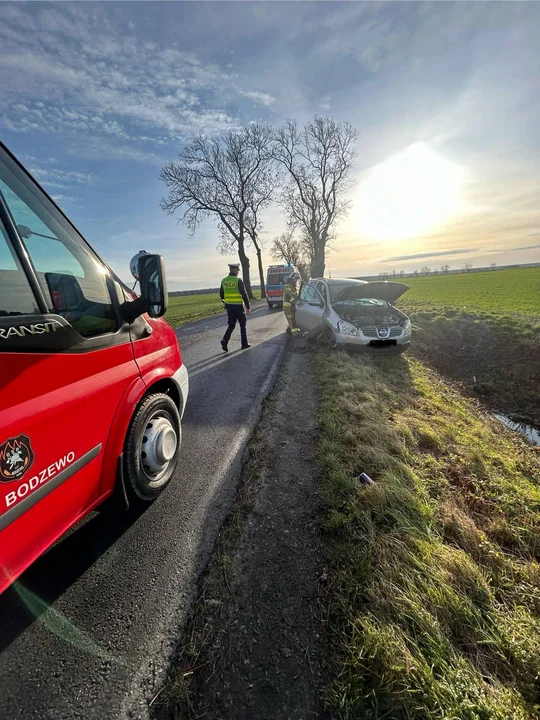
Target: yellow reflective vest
{"x":231,"y":292}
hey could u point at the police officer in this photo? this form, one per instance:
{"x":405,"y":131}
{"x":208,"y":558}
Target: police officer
{"x":233,"y":295}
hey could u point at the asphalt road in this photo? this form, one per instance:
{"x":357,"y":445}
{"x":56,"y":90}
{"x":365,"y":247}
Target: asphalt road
{"x":88,"y":630}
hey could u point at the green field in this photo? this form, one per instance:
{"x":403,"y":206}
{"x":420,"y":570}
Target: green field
{"x":515,"y":291}
{"x":188,"y":308}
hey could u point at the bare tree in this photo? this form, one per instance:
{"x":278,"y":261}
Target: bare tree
{"x":318,"y":160}
{"x":425,"y":270}
{"x":293,"y":252}
{"x":306,"y":247}
{"x":416,"y":273}
{"x":401,"y":273}
{"x":467,"y":267}
{"x":493,"y":266}
{"x":224,"y":178}
{"x":253,"y":226}
{"x":287,"y":248}
{"x":258,"y":199}
{"x":304,"y":270}
{"x":445,"y":269}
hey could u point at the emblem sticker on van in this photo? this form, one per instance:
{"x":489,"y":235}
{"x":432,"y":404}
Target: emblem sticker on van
{"x":16,"y":457}
{"x":28,"y":486}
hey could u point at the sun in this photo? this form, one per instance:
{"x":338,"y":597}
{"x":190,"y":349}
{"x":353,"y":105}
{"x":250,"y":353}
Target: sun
{"x":408,"y":194}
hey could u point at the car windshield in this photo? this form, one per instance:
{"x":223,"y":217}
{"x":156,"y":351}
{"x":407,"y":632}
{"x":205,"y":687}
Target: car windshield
{"x":337,"y":288}
{"x":367,"y":302}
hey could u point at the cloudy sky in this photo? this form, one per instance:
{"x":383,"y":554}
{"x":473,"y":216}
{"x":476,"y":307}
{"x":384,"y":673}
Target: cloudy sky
{"x":95,"y":97}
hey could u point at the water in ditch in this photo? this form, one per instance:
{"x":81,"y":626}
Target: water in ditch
{"x":529,"y":432}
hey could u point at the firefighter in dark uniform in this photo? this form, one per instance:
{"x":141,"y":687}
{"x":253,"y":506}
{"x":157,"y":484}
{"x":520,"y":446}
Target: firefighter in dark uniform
{"x":233,"y":295}
{"x":290,"y":297}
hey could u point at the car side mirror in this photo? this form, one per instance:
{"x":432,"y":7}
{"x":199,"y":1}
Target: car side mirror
{"x":153,"y":284}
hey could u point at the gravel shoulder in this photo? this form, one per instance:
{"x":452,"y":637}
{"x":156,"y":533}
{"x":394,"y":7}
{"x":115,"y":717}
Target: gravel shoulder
{"x":255,"y":644}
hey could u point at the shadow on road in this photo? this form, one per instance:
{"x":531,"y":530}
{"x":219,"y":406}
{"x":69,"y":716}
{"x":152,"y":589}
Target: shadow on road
{"x":51,"y":574}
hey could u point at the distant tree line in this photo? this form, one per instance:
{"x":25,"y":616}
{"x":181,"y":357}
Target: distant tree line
{"x":234,"y":178}
{"x":425,"y":270}
{"x":205,"y":291}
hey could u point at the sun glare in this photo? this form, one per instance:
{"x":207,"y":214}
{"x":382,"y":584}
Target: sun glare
{"x":408,"y":194}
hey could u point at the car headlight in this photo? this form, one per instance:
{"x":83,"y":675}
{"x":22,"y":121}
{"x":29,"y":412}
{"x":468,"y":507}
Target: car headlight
{"x":407,"y":327}
{"x":347,"y":328}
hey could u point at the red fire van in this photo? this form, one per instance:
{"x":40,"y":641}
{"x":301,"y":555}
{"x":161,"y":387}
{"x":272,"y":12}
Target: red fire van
{"x":92,"y":385}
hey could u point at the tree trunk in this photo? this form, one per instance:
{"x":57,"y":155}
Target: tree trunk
{"x":257,"y":247}
{"x":317,"y":266}
{"x":303,"y":269}
{"x":244,"y":261}
{"x":261,"y":273}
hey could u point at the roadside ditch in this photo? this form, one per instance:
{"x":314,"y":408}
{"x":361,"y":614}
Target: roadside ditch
{"x":495,"y":358}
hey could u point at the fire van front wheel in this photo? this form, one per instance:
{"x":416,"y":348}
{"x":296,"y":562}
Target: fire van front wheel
{"x":151,"y":447}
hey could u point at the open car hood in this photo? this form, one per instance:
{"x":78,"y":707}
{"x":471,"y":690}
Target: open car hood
{"x":379,"y":290}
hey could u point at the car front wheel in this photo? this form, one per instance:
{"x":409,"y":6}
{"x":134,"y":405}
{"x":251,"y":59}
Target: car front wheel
{"x":151,"y":447}
{"x":330,"y":338}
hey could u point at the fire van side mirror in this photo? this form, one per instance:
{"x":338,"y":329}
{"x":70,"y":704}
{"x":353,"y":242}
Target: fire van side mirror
{"x":149,"y":270}
{"x":153,"y":283}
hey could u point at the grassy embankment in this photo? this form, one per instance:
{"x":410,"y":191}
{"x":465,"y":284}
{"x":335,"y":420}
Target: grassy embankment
{"x":188,"y":308}
{"x":433,"y":576}
{"x":484,"y":326}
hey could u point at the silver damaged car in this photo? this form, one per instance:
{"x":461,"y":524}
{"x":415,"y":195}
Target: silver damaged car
{"x":355,"y":313}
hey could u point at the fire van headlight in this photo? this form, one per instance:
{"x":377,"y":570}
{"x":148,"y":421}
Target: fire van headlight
{"x":347,"y":328}
{"x":407,"y":327}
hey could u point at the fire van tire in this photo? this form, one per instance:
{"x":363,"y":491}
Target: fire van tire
{"x":151,"y":446}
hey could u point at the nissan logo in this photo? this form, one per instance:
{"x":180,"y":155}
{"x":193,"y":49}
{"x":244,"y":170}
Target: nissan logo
{"x":383,"y":332}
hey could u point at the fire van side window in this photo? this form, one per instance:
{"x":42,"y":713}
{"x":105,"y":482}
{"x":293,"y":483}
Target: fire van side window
{"x":73,"y":281}
{"x":16,"y":296}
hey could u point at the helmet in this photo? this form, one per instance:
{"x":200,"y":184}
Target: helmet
{"x":293,"y":278}
{"x":134,"y":264}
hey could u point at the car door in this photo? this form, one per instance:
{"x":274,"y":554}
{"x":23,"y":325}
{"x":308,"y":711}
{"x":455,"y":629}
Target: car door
{"x":66,"y":361}
{"x":321,"y":287}
{"x":309,"y":308}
